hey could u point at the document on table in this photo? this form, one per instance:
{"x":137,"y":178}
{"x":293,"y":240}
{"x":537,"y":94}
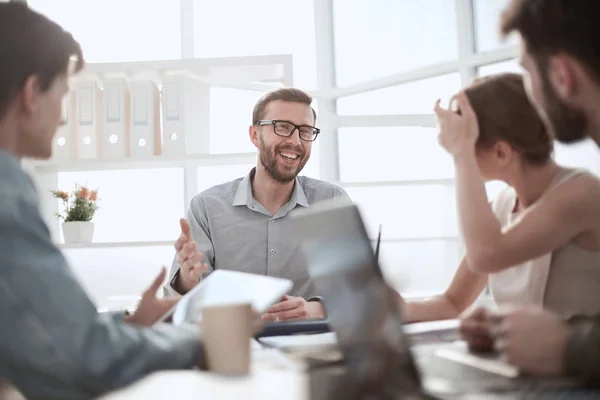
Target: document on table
{"x":433,"y":332}
{"x":299,"y":342}
{"x":273,"y":357}
{"x":419,"y":333}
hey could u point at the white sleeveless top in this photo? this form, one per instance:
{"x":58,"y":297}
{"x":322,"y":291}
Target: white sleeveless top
{"x":566,"y":281}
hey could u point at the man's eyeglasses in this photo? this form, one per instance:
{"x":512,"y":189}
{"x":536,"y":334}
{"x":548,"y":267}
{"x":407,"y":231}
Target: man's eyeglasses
{"x":287,"y":129}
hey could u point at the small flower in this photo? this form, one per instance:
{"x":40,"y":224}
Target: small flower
{"x":60,"y":194}
{"x":83,"y":193}
{"x":79,"y":205}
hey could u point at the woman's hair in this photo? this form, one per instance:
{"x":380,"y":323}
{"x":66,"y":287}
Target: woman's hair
{"x":504,"y":113}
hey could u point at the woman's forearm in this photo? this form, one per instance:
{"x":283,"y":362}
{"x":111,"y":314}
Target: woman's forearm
{"x":480,"y":228}
{"x":430,"y":309}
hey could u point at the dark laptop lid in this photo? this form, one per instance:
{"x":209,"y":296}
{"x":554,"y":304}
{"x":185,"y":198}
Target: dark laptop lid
{"x":360,"y":307}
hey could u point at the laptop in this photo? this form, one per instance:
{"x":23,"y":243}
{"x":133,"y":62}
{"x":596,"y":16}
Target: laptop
{"x":377,"y":355}
{"x":305,"y":326}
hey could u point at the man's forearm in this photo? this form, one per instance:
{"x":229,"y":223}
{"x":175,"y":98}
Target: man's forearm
{"x":582,"y":354}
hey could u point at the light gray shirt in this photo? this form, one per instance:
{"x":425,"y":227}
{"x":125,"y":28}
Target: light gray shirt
{"x":53,"y":342}
{"x":235,"y":232}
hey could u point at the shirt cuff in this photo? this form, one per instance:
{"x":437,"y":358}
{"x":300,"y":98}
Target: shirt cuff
{"x":118,"y":316}
{"x":169,"y":288}
{"x":320,"y":300}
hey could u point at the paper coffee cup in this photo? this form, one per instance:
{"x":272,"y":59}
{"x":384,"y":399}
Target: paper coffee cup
{"x":227,"y":331}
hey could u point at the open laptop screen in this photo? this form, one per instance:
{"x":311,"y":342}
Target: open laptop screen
{"x":360,"y":306}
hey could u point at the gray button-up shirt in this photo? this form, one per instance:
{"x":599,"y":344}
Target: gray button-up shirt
{"x":235,"y":232}
{"x":53,"y":343}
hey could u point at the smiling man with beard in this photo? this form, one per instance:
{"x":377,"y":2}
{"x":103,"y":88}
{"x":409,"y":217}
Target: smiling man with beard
{"x":242,"y":225}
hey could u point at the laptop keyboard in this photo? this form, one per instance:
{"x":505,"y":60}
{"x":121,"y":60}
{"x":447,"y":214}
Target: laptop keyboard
{"x":467,"y":379}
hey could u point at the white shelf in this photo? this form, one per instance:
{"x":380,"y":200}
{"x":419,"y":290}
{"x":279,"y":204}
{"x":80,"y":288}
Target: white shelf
{"x":229,"y":71}
{"x":188,"y":63}
{"x":115,"y":244}
{"x":142,"y":163}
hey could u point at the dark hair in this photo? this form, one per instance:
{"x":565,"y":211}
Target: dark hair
{"x":504,"y":113}
{"x":552,"y":26}
{"x":283,"y":94}
{"x":31,"y":44}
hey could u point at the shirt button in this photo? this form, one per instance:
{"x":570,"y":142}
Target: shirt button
{"x":272,"y":251}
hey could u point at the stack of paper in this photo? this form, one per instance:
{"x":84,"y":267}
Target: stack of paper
{"x":418,"y":333}
{"x":321,"y":341}
{"x":433,"y":332}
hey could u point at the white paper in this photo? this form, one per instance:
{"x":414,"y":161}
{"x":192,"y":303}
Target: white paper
{"x":494,"y":366}
{"x":423,"y":332}
{"x":433,"y":332}
{"x":255,"y":344}
{"x":301,"y":342}
{"x":275,"y":359}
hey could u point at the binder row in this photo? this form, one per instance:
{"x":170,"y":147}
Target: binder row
{"x":119,"y":119}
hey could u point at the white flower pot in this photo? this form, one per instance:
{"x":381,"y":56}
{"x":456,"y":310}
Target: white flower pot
{"x":78,"y":231}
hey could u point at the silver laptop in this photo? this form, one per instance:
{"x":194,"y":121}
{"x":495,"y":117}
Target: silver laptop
{"x":362,"y":311}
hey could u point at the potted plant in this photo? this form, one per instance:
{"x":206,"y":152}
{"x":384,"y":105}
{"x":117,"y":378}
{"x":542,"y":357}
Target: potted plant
{"x":80,"y":206}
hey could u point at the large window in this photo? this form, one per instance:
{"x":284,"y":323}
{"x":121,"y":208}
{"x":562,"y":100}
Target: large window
{"x":377,"y":38}
{"x":420,"y":268}
{"x":410,"y":98}
{"x":392,"y":154}
{"x":511,"y":65}
{"x":408,"y":211}
{"x":119,"y":30}
{"x":579,"y":155}
{"x":231,"y":28}
{"x":135,"y":205}
{"x":486,"y":14}
{"x":394,"y":170}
